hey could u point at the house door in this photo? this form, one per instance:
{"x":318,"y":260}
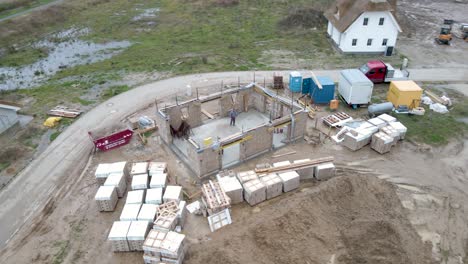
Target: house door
{"x":389,"y":51}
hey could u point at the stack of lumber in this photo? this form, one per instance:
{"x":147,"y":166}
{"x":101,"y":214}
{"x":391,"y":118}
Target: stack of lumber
{"x":164,"y":247}
{"x":130,"y":212}
{"x":118,"y":236}
{"x":135,"y":197}
{"x":214,"y":197}
{"x":290,"y":180}
{"x":140,"y":182}
{"x":154,"y":196}
{"x":148,"y":213}
{"x":307,"y":173}
{"x":172,"y":193}
{"x":158,"y":180}
{"x":246,"y":176}
{"x":381,"y":142}
{"x":136,"y":235}
{"x":118,"y":181}
{"x":254,"y":192}
{"x":106,"y":198}
{"x":232,"y":187}
{"x":273,"y":184}
{"x":324,"y":171}
{"x":166,"y":221}
{"x":64,"y":111}
{"x":157,"y":168}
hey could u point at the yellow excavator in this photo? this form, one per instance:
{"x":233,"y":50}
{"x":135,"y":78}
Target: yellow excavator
{"x":445,"y":35}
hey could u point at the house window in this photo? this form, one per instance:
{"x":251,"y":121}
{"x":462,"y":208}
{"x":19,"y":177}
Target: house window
{"x":381,"y":21}
{"x":384,"y":42}
{"x":354,"y":42}
{"x":366,"y":21}
{"x":369,"y":42}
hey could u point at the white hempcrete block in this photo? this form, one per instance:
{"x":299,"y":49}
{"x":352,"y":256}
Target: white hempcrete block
{"x":274,"y":185}
{"x":400,"y":128}
{"x":148,"y":213}
{"x":246,"y":176}
{"x":101,"y":173}
{"x":182,"y":214}
{"x":387,"y":118}
{"x":172,"y":193}
{"x":118,"y":181}
{"x":233,"y":189}
{"x":106,"y":198}
{"x":307,"y":173}
{"x":140,"y":182}
{"x":148,"y":259}
{"x":325,"y":171}
{"x":157,"y":168}
{"x":377,"y":122}
{"x":139,"y":168}
{"x":290,"y":180}
{"x":154,"y":196}
{"x":136,"y":235}
{"x":135,"y":197}
{"x":158,"y":180}
{"x":254,"y":192}
{"x":130,"y":212}
{"x":281,"y":163}
{"x":118,"y":236}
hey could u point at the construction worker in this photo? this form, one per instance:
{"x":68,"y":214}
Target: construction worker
{"x":233,"y":114}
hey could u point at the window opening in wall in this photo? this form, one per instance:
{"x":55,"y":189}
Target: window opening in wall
{"x":369,"y":42}
{"x":354,"y":42}
{"x":366,"y":21}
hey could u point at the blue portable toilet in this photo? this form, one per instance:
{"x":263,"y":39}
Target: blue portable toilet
{"x":295,"y":82}
{"x":306,"y":85}
{"x":324,"y":95}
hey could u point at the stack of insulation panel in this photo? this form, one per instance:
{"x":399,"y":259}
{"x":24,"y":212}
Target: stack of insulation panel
{"x":136,"y":235}
{"x":106,"y":198}
{"x":290,"y":180}
{"x":118,"y":181}
{"x":254,"y":192}
{"x":233,"y":189}
{"x":154,"y":196}
{"x":135,"y":197}
{"x":157,"y":168}
{"x":381,"y":142}
{"x":148,"y":213}
{"x":273,"y":184}
{"x":172,"y":193}
{"x":158,"y":180}
{"x":246,"y":176}
{"x":324,"y":171}
{"x":118,"y":236}
{"x":130,"y":212}
{"x":304,"y":174}
{"x":140,"y":182}
{"x":165,"y":247}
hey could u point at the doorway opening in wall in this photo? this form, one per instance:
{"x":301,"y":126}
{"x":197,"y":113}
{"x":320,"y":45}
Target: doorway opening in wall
{"x":230,"y":155}
{"x":280,"y":136}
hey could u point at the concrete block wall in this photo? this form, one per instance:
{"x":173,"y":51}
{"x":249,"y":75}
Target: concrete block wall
{"x":225,"y":102}
{"x":300,"y":124}
{"x":261,"y":141}
{"x":163,"y":128}
{"x":194,"y":111}
{"x":205,"y":161}
{"x":258,"y":102}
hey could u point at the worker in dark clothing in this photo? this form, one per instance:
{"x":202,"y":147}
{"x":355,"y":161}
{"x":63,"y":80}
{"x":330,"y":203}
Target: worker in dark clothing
{"x":233,"y":114}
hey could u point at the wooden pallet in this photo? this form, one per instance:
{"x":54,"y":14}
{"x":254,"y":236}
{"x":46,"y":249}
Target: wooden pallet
{"x":214,"y":196}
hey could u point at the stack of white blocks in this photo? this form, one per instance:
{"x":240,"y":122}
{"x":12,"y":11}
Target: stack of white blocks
{"x":246,"y":176}
{"x":164,"y":247}
{"x":290,"y":180}
{"x":166,"y":221}
{"x":182,"y":214}
{"x":273,"y":184}
{"x":139,"y":168}
{"x":106,"y":198}
{"x":105,"y":169}
{"x":118,"y":181}
{"x":136,"y":235}
{"x":158,"y":180}
{"x":135,"y":197}
{"x":140,"y":182}
{"x":400,"y":128}
{"x":148,"y":213}
{"x":307,"y":173}
{"x":172,"y":193}
{"x":130,"y":212}
{"x":254,"y":192}
{"x":157,"y":168}
{"x":324,"y":171}
{"x":154,"y":196}
{"x":233,"y":189}
{"x":118,"y":236}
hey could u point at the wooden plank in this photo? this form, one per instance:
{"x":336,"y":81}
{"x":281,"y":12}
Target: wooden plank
{"x":210,"y":116}
{"x":284,"y":154}
{"x":296,"y":166}
{"x":434,"y":97}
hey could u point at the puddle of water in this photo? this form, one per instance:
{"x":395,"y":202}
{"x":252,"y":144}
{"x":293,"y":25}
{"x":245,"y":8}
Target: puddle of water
{"x":147,"y":13}
{"x":62,"y":55}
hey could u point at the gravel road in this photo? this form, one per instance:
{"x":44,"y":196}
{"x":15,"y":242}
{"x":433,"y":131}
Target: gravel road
{"x":36,"y":186}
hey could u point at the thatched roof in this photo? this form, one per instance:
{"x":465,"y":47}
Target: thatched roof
{"x":344,"y":12}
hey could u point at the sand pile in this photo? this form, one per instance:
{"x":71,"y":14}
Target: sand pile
{"x":350,"y":219}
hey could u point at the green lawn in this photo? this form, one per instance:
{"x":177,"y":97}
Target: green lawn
{"x":8,"y":9}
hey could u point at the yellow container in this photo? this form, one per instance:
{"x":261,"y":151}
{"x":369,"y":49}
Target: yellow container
{"x":208,"y":142}
{"x":334,"y":104}
{"x":404,"y":93}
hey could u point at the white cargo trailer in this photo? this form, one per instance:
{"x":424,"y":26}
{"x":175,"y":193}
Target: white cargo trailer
{"x":355,"y":88}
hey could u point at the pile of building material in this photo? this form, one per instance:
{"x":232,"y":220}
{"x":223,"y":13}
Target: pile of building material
{"x":166,"y":221}
{"x":181,"y":214}
{"x":130,"y":212}
{"x":118,"y":236}
{"x":140,"y":182}
{"x":139,"y":168}
{"x":148,"y":213}
{"x":392,"y":132}
{"x":220,"y":219}
{"x":290,"y":180}
{"x":154,"y":196}
{"x":214,"y":198}
{"x":103,"y":170}
{"x":158,"y":180}
{"x":136,"y":235}
{"x":135,"y":197}
{"x":306,"y":173}
{"x":64,"y":111}
{"x":246,"y":176}
{"x":337,"y":119}
{"x":157,"y":168}
{"x":106,"y":198}
{"x":164,"y":247}
{"x":254,"y":192}
{"x":231,"y":186}
{"x":273,"y":184}
{"x":400,"y":128}
{"x":381,"y":142}
{"x":356,"y":139}
{"x":172,"y":193}
{"x":324,"y":171}
{"x":118,"y":181}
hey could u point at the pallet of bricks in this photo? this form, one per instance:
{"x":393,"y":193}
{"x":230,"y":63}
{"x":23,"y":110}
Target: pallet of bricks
{"x":217,"y":204}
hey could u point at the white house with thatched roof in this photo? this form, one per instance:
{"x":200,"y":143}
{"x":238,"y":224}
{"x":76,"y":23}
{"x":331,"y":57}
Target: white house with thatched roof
{"x":363,"y":26}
